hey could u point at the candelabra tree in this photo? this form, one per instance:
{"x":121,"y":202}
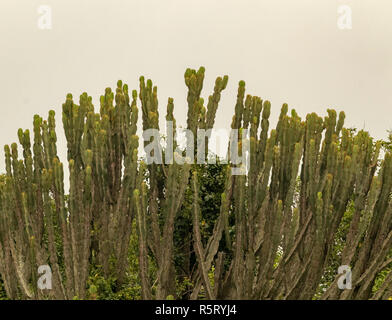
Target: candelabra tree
{"x":38,"y":224}
{"x":41,"y":224}
{"x":287,"y":209}
{"x":168,"y":181}
{"x":274,"y":225}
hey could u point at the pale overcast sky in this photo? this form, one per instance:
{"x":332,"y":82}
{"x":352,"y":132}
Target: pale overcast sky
{"x":286,"y":50}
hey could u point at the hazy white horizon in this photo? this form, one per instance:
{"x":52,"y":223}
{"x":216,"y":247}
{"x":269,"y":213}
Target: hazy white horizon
{"x":286,"y":51}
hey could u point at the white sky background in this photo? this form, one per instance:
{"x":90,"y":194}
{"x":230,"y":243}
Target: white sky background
{"x":286,"y":50}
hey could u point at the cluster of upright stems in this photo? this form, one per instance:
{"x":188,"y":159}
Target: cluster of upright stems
{"x":278,"y":222}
